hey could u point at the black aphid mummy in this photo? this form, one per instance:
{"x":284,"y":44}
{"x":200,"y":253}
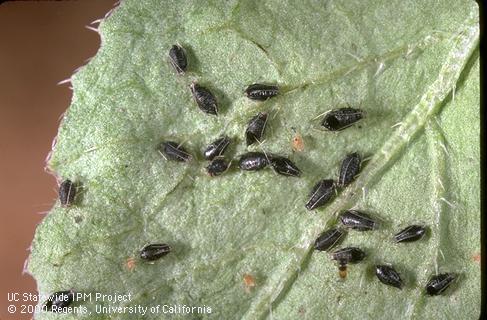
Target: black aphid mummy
{"x":349,"y":169}
{"x":284,"y":166}
{"x":205,"y":100}
{"x":253,"y":161}
{"x":216,"y":148}
{"x":154,"y":251}
{"x":58,"y":301}
{"x":174,"y":151}
{"x":261,"y":92}
{"x":439,"y":283}
{"x":320,"y":194}
{"x":339,"y":119}
{"x":328,"y":239}
{"x":388,"y":275}
{"x":217,"y":166}
{"x":348,"y":255}
{"x":255,"y":128}
{"x":357,"y":220}
{"x":177,"y":57}
{"x":67,"y":193}
{"x":410,"y":234}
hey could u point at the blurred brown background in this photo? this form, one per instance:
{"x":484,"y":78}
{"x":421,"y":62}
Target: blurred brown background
{"x":41,"y":44}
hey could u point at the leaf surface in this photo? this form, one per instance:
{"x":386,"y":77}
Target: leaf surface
{"x":412,"y":67}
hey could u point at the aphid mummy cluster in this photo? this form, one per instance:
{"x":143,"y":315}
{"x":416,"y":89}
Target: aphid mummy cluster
{"x":254,"y":133}
{"x":387,"y":274}
{"x":321,"y":193}
{"x":360,"y":221}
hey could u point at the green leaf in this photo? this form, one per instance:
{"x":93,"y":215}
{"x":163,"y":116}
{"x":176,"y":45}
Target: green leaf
{"x":412,"y":66}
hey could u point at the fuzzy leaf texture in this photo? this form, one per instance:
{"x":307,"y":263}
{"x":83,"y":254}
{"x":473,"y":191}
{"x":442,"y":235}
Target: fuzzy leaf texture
{"x":412,"y":66}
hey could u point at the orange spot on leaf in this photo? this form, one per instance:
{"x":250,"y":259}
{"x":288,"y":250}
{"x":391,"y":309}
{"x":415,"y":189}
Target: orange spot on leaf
{"x":130,"y":264}
{"x":298,"y":143}
{"x":249,"y":282}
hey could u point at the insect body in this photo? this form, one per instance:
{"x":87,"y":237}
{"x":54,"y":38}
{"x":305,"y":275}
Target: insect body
{"x":174,"y":151}
{"x":345,"y":256}
{"x":67,"y":193}
{"x":349,"y":169}
{"x":328,"y":239}
{"x":253,"y":161}
{"x":439,"y":283}
{"x":59,"y":300}
{"x":154,"y":251}
{"x":255,"y":128}
{"x":357,"y":220}
{"x":205,"y":100}
{"x":339,"y":119}
{"x":284,"y":166}
{"x":410,"y":234}
{"x":216,"y":148}
{"x":349,"y":255}
{"x":217,"y":166}
{"x":320,"y":194}
{"x":177,"y":57}
{"x":261,"y":92}
{"x":388,"y":275}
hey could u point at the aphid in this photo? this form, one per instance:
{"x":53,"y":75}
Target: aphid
{"x":349,"y":169}
{"x":357,"y":220}
{"x":216,"y":148}
{"x":67,"y":193}
{"x":217,"y":166}
{"x":59,"y":300}
{"x":339,"y":119}
{"x":298,"y":143}
{"x":284,"y":166}
{"x":253,"y":161}
{"x":205,"y":100}
{"x":439,"y":283}
{"x":388,"y":275}
{"x":255,"y":128}
{"x":320,"y":194}
{"x":349,"y":255}
{"x":249,"y":282}
{"x":328,"y":239}
{"x":261,"y":92}
{"x":154,"y":251}
{"x":174,"y":151}
{"x":177,"y":57}
{"x":410,"y":234}
{"x":345,"y":256}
